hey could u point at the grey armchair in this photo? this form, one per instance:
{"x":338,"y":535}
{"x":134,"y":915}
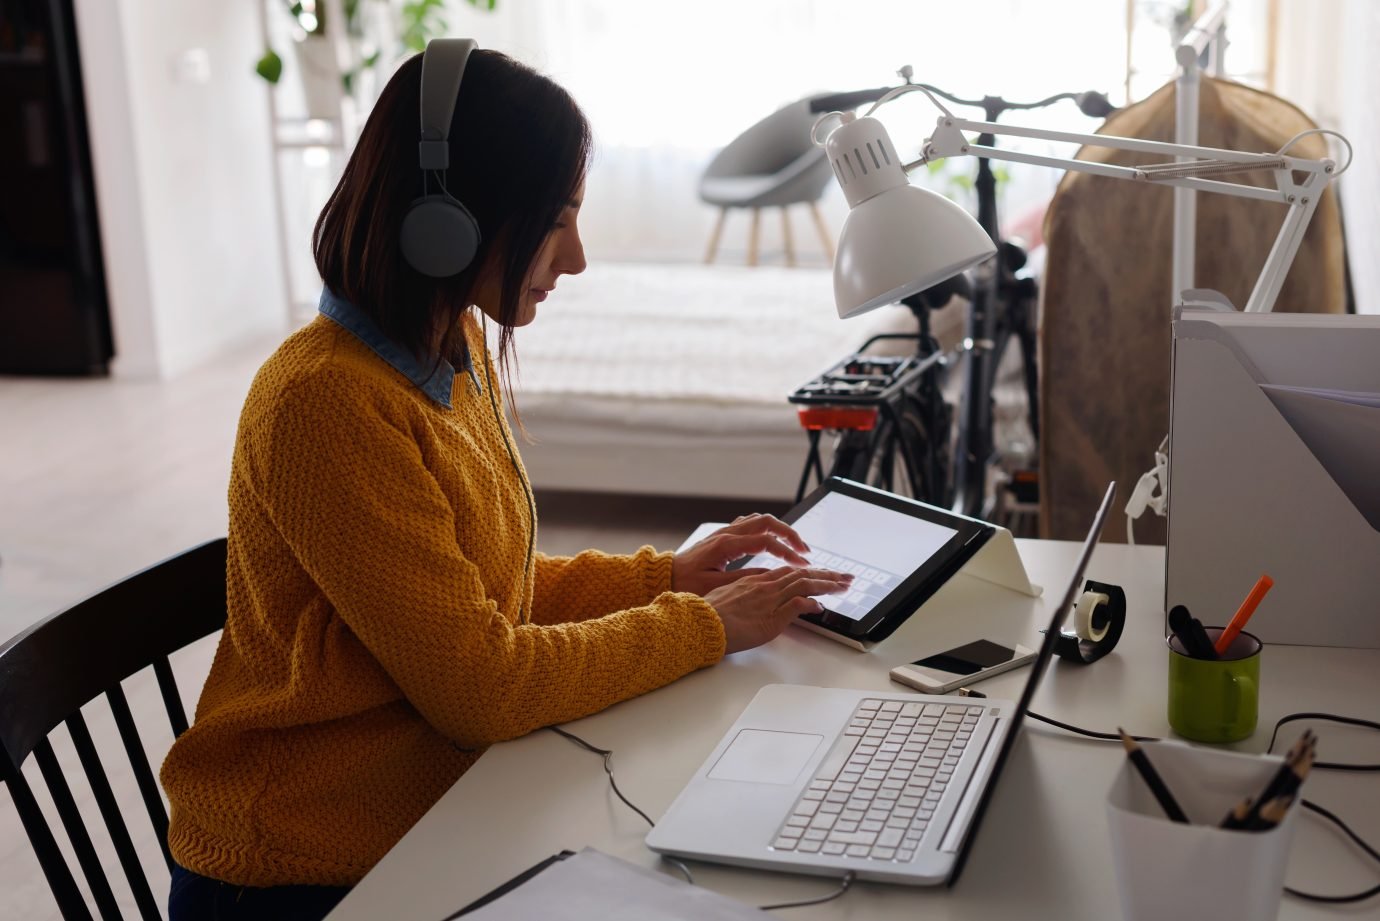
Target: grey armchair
{"x":773,"y":164}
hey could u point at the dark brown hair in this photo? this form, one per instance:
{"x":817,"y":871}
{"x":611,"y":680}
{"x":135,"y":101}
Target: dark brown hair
{"x":519,"y":149}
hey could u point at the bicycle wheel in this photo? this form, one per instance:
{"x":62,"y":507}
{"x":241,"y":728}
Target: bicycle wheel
{"x":899,"y":455}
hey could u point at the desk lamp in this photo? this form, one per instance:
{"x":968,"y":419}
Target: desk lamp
{"x":899,"y":239}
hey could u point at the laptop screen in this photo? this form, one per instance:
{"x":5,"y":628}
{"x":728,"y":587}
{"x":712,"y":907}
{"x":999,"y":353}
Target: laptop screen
{"x":1037,"y":671}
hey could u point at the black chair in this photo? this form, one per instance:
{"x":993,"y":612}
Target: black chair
{"x":51,"y":670}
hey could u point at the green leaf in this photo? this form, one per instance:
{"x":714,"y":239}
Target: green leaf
{"x":372,"y":59}
{"x":347,"y":80}
{"x":270,"y":66}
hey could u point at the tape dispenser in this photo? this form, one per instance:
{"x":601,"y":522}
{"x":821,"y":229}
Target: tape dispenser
{"x":1099,"y":616}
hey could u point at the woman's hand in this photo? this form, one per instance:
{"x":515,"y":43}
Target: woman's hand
{"x":757,"y":607}
{"x":700,"y":569}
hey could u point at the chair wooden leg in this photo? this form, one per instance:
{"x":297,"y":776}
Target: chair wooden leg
{"x":714,"y":237}
{"x":823,"y":232}
{"x":786,"y":238}
{"x":752,"y":236}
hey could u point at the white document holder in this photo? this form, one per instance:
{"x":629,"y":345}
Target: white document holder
{"x":1274,"y":463}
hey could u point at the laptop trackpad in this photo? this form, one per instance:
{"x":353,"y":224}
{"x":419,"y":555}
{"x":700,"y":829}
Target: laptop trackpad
{"x":763,"y":756}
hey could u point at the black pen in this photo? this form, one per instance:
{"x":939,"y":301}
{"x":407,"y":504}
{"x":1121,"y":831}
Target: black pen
{"x":1152,"y":779}
{"x":1206,"y":650}
{"x":1190,"y":633}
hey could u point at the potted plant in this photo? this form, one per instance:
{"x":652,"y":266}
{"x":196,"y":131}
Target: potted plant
{"x":324,"y":79}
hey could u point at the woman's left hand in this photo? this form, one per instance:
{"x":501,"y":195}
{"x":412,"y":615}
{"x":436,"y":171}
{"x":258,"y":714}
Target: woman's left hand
{"x":700,"y":569}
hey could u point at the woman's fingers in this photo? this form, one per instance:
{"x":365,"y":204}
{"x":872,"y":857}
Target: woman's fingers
{"x":800,"y":604}
{"x":808,"y":586}
{"x":759,"y":523}
{"x":729,"y":547}
{"x":783,"y":578}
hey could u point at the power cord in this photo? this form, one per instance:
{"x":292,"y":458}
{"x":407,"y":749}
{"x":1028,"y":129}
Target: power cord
{"x":843,"y":887}
{"x":607,"y":755}
{"x":1306,"y":804}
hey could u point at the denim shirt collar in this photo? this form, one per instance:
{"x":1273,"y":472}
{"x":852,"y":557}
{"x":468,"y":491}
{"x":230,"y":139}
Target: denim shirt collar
{"x":435,"y":385}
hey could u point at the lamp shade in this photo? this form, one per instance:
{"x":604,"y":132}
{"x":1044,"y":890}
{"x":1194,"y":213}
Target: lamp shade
{"x":897,"y":238}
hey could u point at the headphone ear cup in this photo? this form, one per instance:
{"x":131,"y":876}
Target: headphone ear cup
{"x":439,"y":236}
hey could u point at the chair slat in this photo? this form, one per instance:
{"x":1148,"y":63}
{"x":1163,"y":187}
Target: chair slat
{"x":171,"y":699}
{"x":51,"y":670}
{"x":114,"y":822}
{"x":143,"y":773}
{"x":76,"y":832}
{"x":55,"y":869}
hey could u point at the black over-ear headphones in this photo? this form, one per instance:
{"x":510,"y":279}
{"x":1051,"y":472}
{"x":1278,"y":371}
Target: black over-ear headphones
{"x":439,"y":235}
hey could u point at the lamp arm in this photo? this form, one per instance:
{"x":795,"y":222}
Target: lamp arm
{"x":948,"y":140}
{"x":1301,"y":197}
{"x":1107,"y":169}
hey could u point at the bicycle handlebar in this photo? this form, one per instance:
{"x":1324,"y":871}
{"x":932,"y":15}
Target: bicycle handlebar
{"x":1092,"y":104}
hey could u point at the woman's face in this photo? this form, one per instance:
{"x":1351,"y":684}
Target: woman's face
{"x":561,"y":254}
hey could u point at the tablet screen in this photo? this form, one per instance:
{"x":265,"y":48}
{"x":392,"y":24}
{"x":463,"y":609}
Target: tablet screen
{"x":880,"y":546}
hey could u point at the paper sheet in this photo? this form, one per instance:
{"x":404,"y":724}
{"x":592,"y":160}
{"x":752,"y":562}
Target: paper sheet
{"x":594,"y":885}
{"x":1342,"y":430}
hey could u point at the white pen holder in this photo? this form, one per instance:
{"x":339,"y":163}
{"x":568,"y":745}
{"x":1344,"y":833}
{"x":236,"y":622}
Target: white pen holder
{"x":1186,"y":872}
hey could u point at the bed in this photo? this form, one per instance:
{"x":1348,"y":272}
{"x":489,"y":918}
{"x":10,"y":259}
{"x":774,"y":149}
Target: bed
{"x":672,"y":379}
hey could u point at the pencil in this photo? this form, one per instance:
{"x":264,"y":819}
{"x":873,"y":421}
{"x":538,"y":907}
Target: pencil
{"x":1243,"y":613}
{"x":1272,"y":813}
{"x":1238,"y":815}
{"x":1151,"y":778}
{"x":1290,"y":775}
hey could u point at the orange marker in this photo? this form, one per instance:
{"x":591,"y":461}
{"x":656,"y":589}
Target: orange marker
{"x":1243,"y":613}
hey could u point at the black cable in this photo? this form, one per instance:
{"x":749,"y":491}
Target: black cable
{"x":524,"y":615}
{"x":1328,"y":765}
{"x":608,"y":769}
{"x":1306,"y":804}
{"x":607,"y":754}
{"x":1103,"y":736}
{"x":843,"y":887}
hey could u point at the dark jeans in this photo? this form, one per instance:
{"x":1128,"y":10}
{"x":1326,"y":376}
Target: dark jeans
{"x":199,"y":898}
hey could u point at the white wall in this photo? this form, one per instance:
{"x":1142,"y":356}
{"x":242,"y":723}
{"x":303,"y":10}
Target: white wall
{"x":1360,"y":187}
{"x":184,"y":179}
{"x":1326,"y":66}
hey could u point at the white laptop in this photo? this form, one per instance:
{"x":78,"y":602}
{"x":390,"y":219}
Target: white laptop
{"x":824,"y":780}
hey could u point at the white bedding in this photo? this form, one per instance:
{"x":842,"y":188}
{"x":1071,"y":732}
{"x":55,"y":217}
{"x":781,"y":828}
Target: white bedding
{"x":672,"y":379}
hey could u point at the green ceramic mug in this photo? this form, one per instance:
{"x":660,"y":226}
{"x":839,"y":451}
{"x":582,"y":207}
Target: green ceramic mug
{"x":1215,"y":700}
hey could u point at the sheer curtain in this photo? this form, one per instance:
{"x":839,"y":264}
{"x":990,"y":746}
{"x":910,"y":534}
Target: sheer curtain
{"x":667,"y":84}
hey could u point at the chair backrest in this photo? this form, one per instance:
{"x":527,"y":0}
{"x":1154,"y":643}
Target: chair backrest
{"x":51,"y":670}
{"x":771,"y":144}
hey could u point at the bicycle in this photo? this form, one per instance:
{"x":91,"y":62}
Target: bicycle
{"x":912,"y":421}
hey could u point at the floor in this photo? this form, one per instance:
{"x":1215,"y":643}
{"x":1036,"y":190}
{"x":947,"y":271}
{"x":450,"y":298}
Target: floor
{"x":99,"y":478}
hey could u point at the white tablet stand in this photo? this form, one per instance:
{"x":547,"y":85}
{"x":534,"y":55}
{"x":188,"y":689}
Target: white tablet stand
{"x":997,"y":561}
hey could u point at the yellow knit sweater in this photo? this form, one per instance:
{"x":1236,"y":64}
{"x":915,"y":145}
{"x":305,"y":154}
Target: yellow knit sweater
{"x":374,"y":646}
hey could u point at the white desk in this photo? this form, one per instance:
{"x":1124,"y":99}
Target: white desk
{"x":1041,"y":852}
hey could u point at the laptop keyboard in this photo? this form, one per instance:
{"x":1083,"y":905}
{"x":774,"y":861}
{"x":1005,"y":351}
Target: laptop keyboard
{"x":876,"y":792}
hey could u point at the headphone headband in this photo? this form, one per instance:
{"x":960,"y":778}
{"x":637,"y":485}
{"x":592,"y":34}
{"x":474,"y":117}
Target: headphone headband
{"x":443,"y":64}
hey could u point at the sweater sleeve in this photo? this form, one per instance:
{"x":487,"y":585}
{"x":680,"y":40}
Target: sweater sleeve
{"x":592,"y":584}
{"x":348,"y":490}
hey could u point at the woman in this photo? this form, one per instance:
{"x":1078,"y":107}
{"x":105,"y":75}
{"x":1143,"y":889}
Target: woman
{"x":388,"y":618}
